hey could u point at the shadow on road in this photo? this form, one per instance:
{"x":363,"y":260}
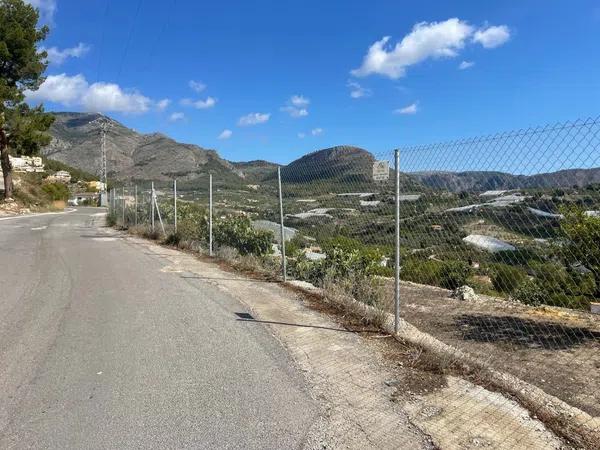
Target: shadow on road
{"x":195,"y":277}
{"x":270,"y":322}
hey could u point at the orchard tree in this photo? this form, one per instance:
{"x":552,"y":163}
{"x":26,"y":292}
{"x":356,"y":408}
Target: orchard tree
{"x":22,"y":128}
{"x":582,"y":233}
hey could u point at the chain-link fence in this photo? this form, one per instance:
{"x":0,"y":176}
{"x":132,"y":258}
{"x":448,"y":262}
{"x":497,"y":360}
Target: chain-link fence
{"x":498,"y":242}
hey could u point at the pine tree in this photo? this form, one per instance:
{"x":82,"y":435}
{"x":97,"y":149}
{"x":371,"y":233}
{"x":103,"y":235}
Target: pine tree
{"x":22,"y":65}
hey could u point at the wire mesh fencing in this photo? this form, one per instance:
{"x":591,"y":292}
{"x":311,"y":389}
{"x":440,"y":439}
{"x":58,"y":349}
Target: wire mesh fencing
{"x":509,"y":224}
{"x":498,"y":243}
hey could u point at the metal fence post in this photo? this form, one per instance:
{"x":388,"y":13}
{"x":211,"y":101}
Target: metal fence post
{"x":397,"y":245}
{"x":210,"y":216}
{"x":175,"y":203}
{"x":123,"y":205}
{"x":283,"y":258}
{"x":136,"y":205}
{"x":162,"y":225}
{"x":152,"y":207}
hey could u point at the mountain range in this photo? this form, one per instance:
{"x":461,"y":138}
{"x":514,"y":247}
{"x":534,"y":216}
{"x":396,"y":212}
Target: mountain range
{"x":133,"y":156}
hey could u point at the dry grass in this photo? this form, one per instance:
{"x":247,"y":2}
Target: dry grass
{"x":143,"y":231}
{"x":225,"y":253}
{"x":342,"y":294}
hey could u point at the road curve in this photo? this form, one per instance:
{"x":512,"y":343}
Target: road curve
{"x":101,"y":346}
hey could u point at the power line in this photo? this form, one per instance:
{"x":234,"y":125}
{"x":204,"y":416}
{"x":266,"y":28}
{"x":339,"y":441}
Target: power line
{"x":128,"y":41}
{"x":102,"y":36}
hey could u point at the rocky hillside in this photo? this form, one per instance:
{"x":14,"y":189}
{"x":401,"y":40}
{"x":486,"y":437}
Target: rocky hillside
{"x":256,"y":171}
{"x":131,"y":155}
{"x":137,"y":157}
{"x":484,"y":181}
{"x":343,"y":167}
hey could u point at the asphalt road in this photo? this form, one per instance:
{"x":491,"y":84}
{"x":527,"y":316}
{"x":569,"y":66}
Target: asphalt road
{"x":100,"y":347}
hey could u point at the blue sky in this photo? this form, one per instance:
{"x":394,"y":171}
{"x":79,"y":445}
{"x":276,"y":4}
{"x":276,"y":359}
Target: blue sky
{"x":274,"y":80}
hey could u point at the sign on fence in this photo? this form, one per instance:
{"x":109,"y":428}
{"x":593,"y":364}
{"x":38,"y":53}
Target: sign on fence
{"x":381,"y":171}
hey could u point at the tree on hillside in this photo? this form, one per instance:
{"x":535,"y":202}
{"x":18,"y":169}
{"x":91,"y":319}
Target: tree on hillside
{"x":583,"y":235}
{"x":22,"y":128}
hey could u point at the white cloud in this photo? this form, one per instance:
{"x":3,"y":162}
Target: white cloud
{"x":200,"y":104}
{"x":426,"y":40}
{"x":316,"y":131}
{"x":47,"y":8}
{"x":408,"y":110}
{"x":225,"y":134}
{"x":110,"y":97}
{"x":357,"y":91}
{"x":163,"y":104}
{"x":294,"y":112}
{"x":299,"y":101}
{"x":296,"y":106}
{"x":253,"y":119}
{"x":492,"y":37}
{"x":64,"y":89}
{"x":176,"y":117}
{"x":57,"y":56}
{"x":301,"y":135}
{"x":466,"y":65}
{"x":98,"y":97}
{"x":197,"y":86}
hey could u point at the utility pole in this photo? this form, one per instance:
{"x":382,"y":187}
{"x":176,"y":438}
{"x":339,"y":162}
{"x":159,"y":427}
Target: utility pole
{"x":103,"y":178}
{"x":283,"y":257}
{"x":104,"y":123}
{"x":210,"y":216}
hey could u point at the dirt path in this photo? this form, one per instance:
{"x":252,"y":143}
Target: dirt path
{"x":371,"y":397}
{"x":556,"y":350}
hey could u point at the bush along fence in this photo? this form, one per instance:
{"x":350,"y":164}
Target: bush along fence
{"x":491,"y":245}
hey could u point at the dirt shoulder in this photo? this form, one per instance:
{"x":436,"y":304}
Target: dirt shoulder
{"x":372,"y":392}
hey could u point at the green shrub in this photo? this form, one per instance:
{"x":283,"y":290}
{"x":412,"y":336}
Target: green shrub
{"x":192,"y":220}
{"x":569,"y":301}
{"x":421,"y":271}
{"x":454,"y":274}
{"x":305,"y":269}
{"x":238,"y":232}
{"x":341,"y":243}
{"x":340,"y":264}
{"x":530,"y":293}
{"x":555,"y":278}
{"x":294,"y":246}
{"x":173,"y":239}
{"x":507,"y":278}
{"x":520,"y":256}
{"x":111,"y":220}
{"x":56,"y":191}
{"x":446,"y":274}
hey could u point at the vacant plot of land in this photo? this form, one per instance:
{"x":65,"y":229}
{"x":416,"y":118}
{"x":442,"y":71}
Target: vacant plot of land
{"x":554,"y":349}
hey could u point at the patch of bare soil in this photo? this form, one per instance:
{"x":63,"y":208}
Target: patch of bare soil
{"x":554,"y":349}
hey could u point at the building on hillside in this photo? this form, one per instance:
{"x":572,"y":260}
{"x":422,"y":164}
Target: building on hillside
{"x":62,"y":176}
{"x":27,"y":164}
{"x":96,"y":185}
